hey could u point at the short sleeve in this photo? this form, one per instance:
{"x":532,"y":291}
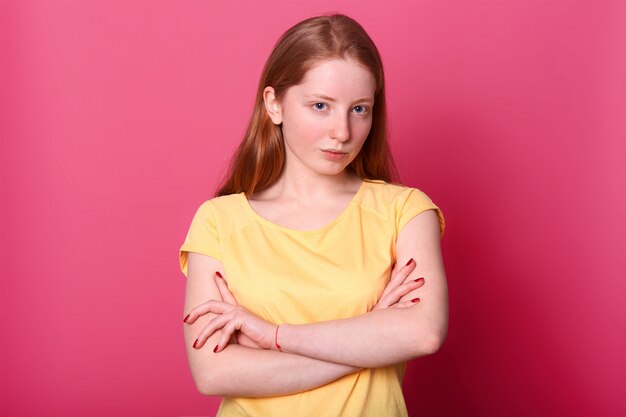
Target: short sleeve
{"x":415,"y":203}
{"x":202,"y":236}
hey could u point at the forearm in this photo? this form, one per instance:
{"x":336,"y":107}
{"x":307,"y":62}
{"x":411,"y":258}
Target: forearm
{"x":376,"y":339}
{"x":247,"y":372}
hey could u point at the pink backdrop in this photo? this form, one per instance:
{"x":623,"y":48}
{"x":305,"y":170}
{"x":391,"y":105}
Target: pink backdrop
{"x":117,"y":119}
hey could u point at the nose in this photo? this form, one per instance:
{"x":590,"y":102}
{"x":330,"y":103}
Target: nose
{"x":341,"y":128}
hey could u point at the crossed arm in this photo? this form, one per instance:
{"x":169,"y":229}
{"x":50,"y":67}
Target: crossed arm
{"x":318,"y":353}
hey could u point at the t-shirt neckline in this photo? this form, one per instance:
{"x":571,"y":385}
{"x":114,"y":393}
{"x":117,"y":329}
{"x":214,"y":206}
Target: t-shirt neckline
{"x":337,"y":219}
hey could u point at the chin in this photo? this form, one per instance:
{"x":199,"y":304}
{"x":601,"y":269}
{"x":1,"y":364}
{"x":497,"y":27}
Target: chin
{"x":335,"y":171}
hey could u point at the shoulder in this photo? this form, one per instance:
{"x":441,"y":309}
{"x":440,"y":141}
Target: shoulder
{"x":226,"y":213}
{"x":393,"y":195}
{"x":221,"y":204}
{"x":399,"y":202}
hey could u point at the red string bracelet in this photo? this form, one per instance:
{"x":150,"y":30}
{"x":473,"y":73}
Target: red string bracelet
{"x":276,"y":339}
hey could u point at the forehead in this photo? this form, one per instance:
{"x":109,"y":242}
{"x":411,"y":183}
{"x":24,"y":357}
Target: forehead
{"x":338,"y":78}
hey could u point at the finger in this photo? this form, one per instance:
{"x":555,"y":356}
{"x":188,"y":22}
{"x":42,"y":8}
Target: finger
{"x":405,"y":304}
{"x":222,"y":286}
{"x":382,"y":303}
{"x":211,"y":306}
{"x":418,"y":281}
{"x":399,"y":292}
{"x":226,"y":332}
{"x":214,"y":325}
{"x":404,"y":289}
{"x":396,"y":279}
{"x":399,"y":277}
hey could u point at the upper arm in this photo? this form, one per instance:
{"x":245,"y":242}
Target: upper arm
{"x":202,"y":236}
{"x":201,"y":287}
{"x":420,"y":239}
{"x":200,"y":257}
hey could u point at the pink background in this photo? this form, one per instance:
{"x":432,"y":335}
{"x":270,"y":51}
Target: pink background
{"x":117,"y":119}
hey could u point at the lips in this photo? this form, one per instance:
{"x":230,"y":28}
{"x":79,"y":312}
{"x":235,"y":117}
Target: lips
{"x":334,"y":155}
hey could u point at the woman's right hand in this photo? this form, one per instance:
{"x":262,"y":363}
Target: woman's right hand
{"x":397,"y":288}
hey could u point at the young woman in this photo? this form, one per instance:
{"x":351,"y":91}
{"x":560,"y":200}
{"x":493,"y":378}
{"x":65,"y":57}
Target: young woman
{"x":312,"y":278}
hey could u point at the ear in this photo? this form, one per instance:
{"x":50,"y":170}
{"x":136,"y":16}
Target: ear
{"x":272,"y":105}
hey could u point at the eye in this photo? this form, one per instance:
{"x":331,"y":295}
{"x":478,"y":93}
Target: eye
{"x":318,"y":107}
{"x":363,"y":109}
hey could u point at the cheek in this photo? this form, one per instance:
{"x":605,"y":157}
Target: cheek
{"x":362,"y":129}
{"x":303,"y":129}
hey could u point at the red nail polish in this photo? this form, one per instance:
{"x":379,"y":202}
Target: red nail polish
{"x":185,"y":319}
{"x":218,"y":274}
{"x":415,"y":300}
{"x":410,"y":260}
{"x":194,"y":343}
{"x":215,"y":348}
{"x":419,"y":279}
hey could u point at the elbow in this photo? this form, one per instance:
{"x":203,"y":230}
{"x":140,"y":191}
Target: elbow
{"x":207,"y":385}
{"x":204,"y":387}
{"x":201,"y":383}
{"x":433,"y":342}
{"x":205,"y":382}
{"x":432,"y":345}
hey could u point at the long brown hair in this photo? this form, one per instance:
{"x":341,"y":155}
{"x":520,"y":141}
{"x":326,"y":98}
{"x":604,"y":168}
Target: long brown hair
{"x":259,"y":159}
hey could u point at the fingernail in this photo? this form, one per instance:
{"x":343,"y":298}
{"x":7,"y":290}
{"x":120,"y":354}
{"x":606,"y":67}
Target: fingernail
{"x":186,"y":317}
{"x":410,"y":260}
{"x":415,"y":300}
{"x":218,"y":274}
{"x":419,"y":280}
{"x":215,"y":348}
{"x":195,"y":343}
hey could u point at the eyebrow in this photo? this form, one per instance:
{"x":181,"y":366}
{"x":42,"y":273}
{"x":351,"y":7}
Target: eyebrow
{"x":325,"y":97}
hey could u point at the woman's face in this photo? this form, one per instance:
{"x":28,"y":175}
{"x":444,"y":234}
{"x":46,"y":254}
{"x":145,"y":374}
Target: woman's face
{"x":331,"y":110}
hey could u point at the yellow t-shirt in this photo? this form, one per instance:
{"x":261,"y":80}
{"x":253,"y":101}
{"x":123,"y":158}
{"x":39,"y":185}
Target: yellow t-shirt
{"x":296,"y":276}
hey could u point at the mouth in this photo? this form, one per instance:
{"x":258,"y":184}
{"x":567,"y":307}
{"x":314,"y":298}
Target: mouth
{"x":333,"y":155}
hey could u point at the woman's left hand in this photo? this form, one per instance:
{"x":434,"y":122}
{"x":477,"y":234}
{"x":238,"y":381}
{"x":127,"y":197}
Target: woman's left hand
{"x":238,"y":338}
{"x":230,"y":319}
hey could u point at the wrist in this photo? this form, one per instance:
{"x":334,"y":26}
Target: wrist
{"x":276,"y":345}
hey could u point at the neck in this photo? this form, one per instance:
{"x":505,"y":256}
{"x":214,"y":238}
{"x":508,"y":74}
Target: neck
{"x":307,"y":188}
